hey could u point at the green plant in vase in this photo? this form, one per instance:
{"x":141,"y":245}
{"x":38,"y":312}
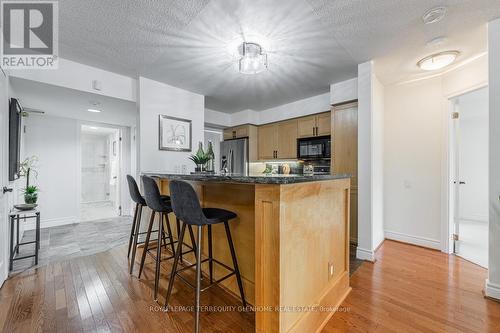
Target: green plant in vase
{"x":31,"y":194}
{"x":200,"y":159}
{"x":27,"y":168}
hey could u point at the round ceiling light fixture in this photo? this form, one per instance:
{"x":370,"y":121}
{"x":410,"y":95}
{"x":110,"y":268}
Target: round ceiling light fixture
{"x":252,"y":60}
{"x":434,"y":15}
{"x":438,"y":60}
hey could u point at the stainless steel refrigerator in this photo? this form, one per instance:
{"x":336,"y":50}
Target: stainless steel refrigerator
{"x":234,"y":156}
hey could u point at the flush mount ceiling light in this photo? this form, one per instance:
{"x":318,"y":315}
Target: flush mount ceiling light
{"x":252,"y":58}
{"x":438,"y":60}
{"x":93,"y":110}
{"x":434,"y":15}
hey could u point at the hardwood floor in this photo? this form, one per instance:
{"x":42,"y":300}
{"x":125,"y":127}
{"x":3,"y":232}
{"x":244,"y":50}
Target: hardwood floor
{"x":412,"y":289}
{"x":409,"y":289}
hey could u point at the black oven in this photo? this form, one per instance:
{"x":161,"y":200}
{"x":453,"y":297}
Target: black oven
{"x":314,"y":148}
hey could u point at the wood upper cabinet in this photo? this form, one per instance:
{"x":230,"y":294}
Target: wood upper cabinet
{"x":244,"y":131}
{"x":278,"y":140}
{"x":323,"y":124}
{"x":268,"y":138}
{"x":306,"y":126}
{"x":237,"y":132}
{"x":287,"y":139}
{"x":316,"y":125}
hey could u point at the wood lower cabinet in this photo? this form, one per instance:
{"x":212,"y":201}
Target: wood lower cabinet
{"x":345,"y":154}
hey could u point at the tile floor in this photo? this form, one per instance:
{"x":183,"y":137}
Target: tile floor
{"x":75,"y":240}
{"x":473,"y":244}
{"x":93,"y":211}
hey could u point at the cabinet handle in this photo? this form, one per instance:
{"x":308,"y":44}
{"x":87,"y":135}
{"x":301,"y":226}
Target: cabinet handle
{"x":317,"y":130}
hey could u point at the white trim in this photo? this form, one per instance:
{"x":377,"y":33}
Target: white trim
{"x":446,"y":218}
{"x":48,"y":223}
{"x":475,"y":218}
{"x":492,"y":289}
{"x":415,"y":240}
{"x":364,"y":254}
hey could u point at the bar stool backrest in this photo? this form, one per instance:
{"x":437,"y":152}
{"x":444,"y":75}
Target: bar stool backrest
{"x":134,"y":191}
{"x":152,"y":195}
{"x":185,"y":203}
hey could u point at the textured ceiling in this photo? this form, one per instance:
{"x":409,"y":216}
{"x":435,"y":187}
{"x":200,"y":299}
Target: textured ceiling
{"x":311,"y":43}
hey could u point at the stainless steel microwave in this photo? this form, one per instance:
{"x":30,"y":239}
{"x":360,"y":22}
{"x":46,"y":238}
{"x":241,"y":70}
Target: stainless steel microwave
{"x":314,"y":148}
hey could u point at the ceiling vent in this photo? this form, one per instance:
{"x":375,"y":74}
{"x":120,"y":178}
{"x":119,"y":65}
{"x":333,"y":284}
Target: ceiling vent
{"x":434,"y":15}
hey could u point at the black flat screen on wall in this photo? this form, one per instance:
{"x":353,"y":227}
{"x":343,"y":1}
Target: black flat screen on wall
{"x":14,"y":138}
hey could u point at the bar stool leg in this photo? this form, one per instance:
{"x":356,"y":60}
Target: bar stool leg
{"x":198,"y":281}
{"x":134,"y":221}
{"x":235,"y":262}
{"x":11,"y":261}
{"x":191,"y":235}
{"x":174,"y":267}
{"x":158,"y":255}
{"x":178,"y":225}
{"x":17,"y":235}
{"x":169,"y":231}
{"x":136,"y":237}
{"x":146,"y":242}
{"x":210,"y":263}
{"x":37,"y":237}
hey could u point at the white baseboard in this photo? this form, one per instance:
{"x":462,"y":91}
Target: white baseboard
{"x":48,"y":223}
{"x":415,"y":240}
{"x":492,"y":289}
{"x":364,"y":254}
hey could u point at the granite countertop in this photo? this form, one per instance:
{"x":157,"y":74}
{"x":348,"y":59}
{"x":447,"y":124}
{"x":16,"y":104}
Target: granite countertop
{"x":252,"y":179}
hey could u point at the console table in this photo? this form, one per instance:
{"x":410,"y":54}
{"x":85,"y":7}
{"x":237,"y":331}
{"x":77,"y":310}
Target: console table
{"x":15,"y":216}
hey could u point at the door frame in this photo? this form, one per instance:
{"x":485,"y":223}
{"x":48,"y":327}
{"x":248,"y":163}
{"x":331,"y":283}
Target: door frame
{"x":4,"y":181}
{"x":125,"y":163}
{"x":447,"y":223}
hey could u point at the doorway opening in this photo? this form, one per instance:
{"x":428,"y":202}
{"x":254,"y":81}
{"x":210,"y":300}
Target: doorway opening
{"x":100,"y":172}
{"x":469,"y":176}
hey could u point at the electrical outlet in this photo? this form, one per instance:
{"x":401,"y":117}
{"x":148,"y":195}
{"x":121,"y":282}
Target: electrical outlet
{"x":331,"y":270}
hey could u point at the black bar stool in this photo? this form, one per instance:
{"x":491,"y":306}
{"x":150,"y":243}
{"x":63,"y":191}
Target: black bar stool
{"x":140,"y":202}
{"x":158,"y":205}
{"x":187,"y":208}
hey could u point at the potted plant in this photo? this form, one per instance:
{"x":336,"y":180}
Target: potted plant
{"x":28,"y":167}
{"x":200,"y":159}
{"x":31,"y":194}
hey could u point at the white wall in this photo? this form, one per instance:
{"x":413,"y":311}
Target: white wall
{"x":303,"y":107}
{"x":413,"y":150}
{"x":344,"y":91}
{"x":217,"y":118}
{"x":295,"y":109}
{"x":377,"y":204}
{"x":77,"y":76}
{"x":492,"y":287}
{"x":416,"y":154}
{"x":156,"y":99}
{"x":370,"y":161}
{"x":54,"y":140}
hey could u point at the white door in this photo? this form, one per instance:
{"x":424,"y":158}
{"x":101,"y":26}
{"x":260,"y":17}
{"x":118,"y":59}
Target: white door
{"x":471,"y":176}
{"x":4,"y":179}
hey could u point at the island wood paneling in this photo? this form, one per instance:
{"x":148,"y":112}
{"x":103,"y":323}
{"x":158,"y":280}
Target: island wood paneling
{"x":285,"y":237}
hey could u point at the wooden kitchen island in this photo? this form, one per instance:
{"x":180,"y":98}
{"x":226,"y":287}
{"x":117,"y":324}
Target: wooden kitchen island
{"x":291,"y":239}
